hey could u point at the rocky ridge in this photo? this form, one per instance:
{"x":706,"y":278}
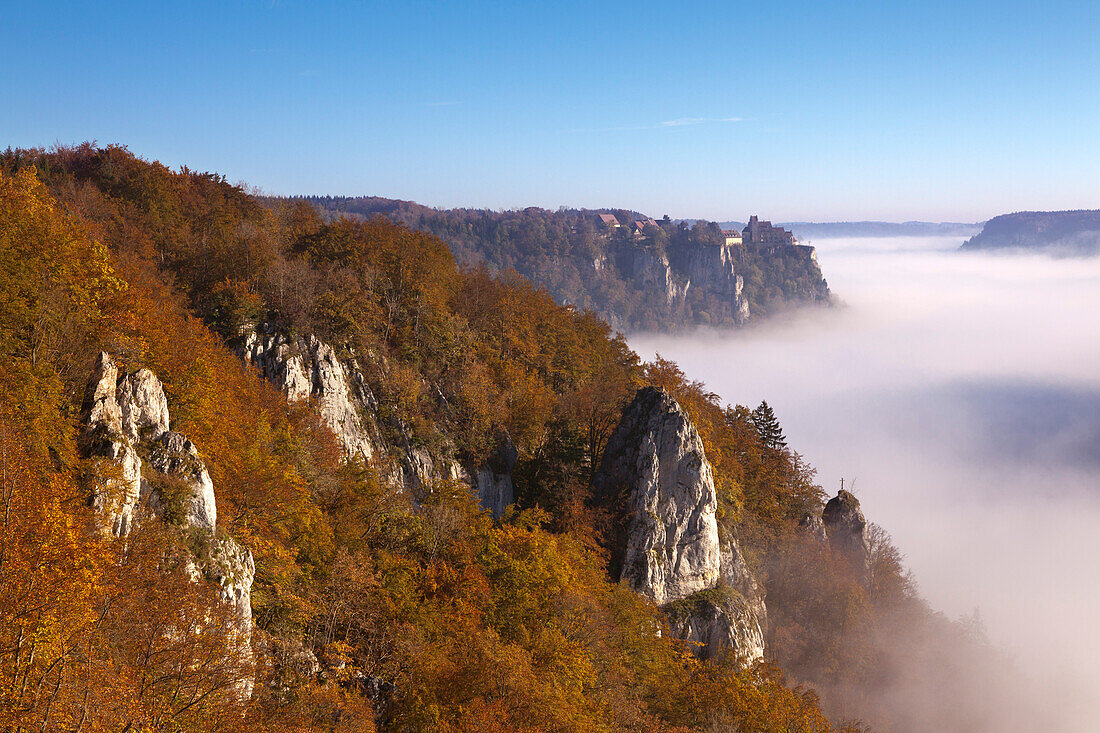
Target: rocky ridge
{"x":656,"y":478}
{"x":707,"y":271}
{"x":146,"y":465}
{"x":650,"y":270}
{"x":672,"y":550}
{"x":635,"y":276}
{"x":307,"y":369}
{"x":846,"y":528}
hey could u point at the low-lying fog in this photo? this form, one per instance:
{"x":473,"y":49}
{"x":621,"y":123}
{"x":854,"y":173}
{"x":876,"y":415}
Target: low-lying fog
{"x":959,"y":394}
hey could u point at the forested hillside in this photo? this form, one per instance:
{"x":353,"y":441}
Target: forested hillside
{"x":1066,"y":233}
{"x":383,"y":596}
{"x":656,"y":276}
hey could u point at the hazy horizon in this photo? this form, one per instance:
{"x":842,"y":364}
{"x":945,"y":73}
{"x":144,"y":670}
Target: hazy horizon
{"x":958,"y":396}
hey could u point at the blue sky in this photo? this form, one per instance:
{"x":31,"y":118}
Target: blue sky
{"x":795,"y":110}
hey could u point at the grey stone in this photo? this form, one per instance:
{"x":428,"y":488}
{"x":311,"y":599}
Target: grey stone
{"x":713,"y":270}
{"x":127,"y":415}
{"x":308,"y":369}
{"x":116,"y":492}
{"x":177,"y":457}
{"x":143,"y":406}
{"x":717,"y":623}
{"x":655,"y":477}
{"x":656,"y":457}
{"x":846,"y":528}
{"x":495,"y":492}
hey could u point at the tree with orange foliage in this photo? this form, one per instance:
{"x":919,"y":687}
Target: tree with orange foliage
{"x":51,"y":569}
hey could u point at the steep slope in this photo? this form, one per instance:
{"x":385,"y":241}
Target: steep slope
{"x":309,"y":371}
{"x":126,"y":420}
{"x":257,"y":356}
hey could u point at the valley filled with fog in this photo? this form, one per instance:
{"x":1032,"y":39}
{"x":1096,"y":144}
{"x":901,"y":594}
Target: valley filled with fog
{"x":958,"y":395}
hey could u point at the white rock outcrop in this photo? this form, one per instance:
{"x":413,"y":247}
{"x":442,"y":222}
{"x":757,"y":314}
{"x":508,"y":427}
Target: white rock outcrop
{"x":655,"y":460}
{"x":712,"y":269}
{"x":650,"y":270}
{"x":143,"y":406}
{"x":718,"y":622}
{"x":174,"y":456}
{"x":687,"y":275}
{"x":657,"y":481}
{"x":116,"y":408}
{"x":125,"y":418}
{"x":308,"y":369}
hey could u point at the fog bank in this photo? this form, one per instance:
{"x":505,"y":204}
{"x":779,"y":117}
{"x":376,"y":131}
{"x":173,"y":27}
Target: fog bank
{"x":960,"y":394}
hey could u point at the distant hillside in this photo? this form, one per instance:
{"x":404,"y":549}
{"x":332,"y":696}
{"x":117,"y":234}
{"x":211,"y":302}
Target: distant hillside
{"x":636,"y":273}
{"x":831,"y":229}
{"x":1068,"y":233}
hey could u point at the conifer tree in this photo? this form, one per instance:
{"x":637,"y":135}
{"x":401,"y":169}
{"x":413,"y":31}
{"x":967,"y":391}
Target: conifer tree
{"x":767,"y":426}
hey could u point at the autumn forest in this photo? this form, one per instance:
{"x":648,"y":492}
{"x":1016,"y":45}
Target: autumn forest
{"x":383,"y":594}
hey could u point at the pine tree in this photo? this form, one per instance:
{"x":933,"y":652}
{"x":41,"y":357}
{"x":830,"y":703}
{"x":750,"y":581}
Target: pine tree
{"x":767,"y":426}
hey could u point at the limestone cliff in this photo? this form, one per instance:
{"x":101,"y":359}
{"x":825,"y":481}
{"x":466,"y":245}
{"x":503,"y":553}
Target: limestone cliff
{"x":846,"y":528}
{"x":309,"y":370}
{"x":176,"y":457}
{"x":119,"y":411}
{"x":696,"y":277}
{"x":713,"y":271}
{"x":145,"y":466}
{"x":657,"y":481}
{"x":651,"y":271}
{"x":718,"y":621}
{"x":636,"y":274}
{"x":495,"y":491}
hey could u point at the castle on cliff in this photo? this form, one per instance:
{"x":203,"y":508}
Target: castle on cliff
{"x":763,"y":232}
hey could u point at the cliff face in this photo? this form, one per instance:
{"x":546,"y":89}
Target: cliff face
{"x":146,"y":466}
{"x":655,"y":455}
{"x":690,"y":278}
{"x":655,"y":476}
{"x":846,"y":528}
{"x":308,"y":370}
{"x":719,"y":622}
{"x":493,"y":481}
{"x":658,"y":278}
{"x":650,"y":271}
{"x":778,"y":276}
{"x":126,"y":418}
{"x":713,"y":270}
